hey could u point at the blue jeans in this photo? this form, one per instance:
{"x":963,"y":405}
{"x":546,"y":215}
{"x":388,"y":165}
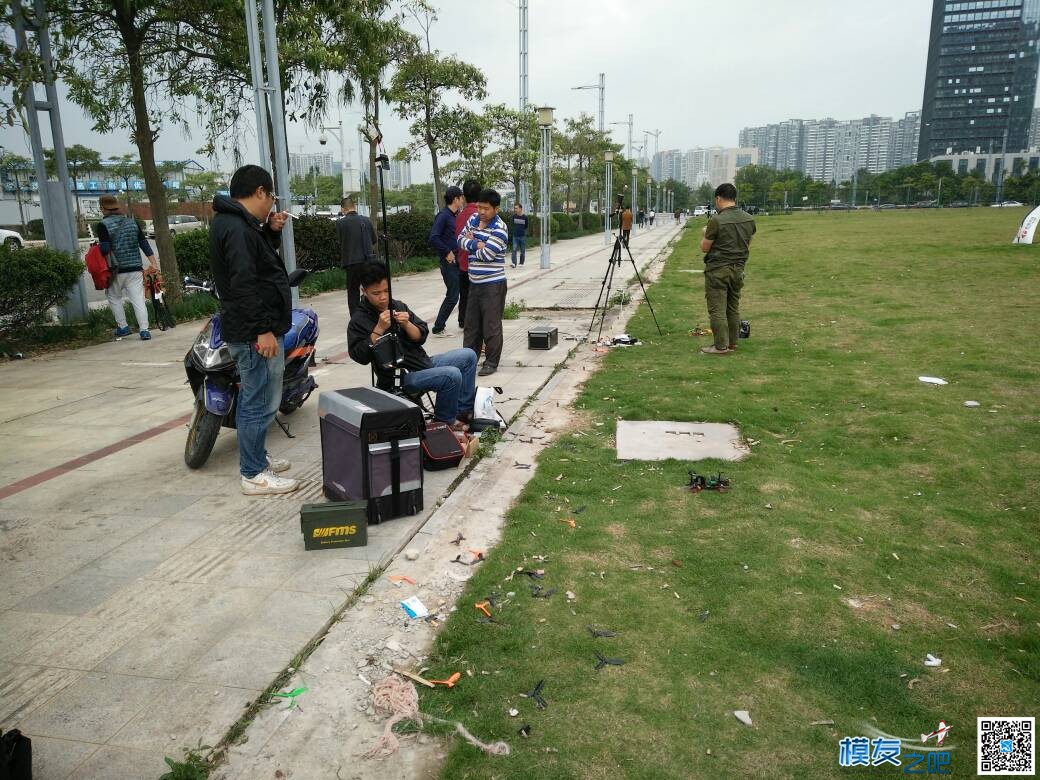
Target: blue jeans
{"x":454,"y":379}
{"x":450,"y":275}
{"x":259,"y":397}
{"x":519,"y":242}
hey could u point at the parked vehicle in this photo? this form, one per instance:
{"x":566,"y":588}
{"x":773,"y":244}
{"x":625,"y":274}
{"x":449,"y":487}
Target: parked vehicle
{"x":179,"y":223}
{"x":11,"y":240}
{"x":1008,"y":204}
{"x":887,"y":206}
{"x":214,"y":380}
{"x":958,"y":204}
{"x":700,"y":211}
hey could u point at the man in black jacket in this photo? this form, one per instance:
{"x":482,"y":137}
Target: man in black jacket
{"x":357,"y":238}
{"x":452,"y":375}
{"x":255,"y":312}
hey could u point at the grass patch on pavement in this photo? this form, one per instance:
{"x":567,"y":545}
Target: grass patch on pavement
{"x":870,"y":500}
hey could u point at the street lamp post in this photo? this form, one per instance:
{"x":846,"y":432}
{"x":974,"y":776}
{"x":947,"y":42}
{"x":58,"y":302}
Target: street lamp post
{"x":339,"y":135}
{"x":633,"y":196}
{"x":608,"y":179}
{"x":545,"y":123}
{"x":649,"y":195}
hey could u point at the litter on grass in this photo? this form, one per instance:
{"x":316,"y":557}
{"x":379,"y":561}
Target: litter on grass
{"x":972,"y":404}
{"x":931,"y":660}
{"x":932,"y":380}
{"x":743,"y":716}
{"x":290,"y":697}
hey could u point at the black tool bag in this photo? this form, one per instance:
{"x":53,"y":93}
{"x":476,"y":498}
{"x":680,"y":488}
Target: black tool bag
{"x":370,"y":449}
{"x":15,"y":756}
{"x":441,"y":447}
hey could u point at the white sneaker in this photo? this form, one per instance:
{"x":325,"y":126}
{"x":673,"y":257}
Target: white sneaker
{"x":278,"y":465}
{"x":267,"y":484}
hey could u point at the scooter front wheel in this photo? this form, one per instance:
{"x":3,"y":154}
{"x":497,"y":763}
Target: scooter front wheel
{"x":202,"y":435}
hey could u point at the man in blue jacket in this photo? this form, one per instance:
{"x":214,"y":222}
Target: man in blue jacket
{"x":255,"y":312}
{"x":443,"y":237}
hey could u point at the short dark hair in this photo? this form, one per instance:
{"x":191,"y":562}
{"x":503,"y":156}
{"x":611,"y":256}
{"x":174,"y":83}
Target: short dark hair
{"x":726,"y":191}
{"x":471,"y":188}
{"x":372,"y":273}
{"x":518,"y":205}
{"x":490,"y":197}
{"x":247,"y":179}
{"x":347,"y":203}
{"x":450,"y":194}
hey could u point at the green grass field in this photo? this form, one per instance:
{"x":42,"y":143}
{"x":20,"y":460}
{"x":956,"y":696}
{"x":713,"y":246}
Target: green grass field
{"x":864,"y":485}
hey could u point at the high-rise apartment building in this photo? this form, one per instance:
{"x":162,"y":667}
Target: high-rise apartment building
{"x":780,"y":146}
{"x":1034,"y":129}
{"x":906,"y":138}
{"x":400,"y":175}
{"x":300,"y":165}
{"x":980,"y":81}
{"x":667,"y":165}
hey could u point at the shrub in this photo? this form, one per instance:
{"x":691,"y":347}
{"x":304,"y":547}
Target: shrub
{"x":192,"y":250}
{"x":35,"y":229}
{"x":32,"y":281}
{"x":411,"y":227}
{"x":317,"y":245}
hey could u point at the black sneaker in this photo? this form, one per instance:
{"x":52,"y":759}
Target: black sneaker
{"x":487,"y":370}
{"x":437,"y":330}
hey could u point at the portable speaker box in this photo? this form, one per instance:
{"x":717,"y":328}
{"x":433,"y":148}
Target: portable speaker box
{"x":336,"y":524}
{"x":370,"y":451}
{"x":542,"y":337}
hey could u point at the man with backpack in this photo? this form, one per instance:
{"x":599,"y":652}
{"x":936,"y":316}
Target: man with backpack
{"x":121,"y":236}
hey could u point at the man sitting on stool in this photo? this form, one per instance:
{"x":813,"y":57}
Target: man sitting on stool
{"x":452,"y":375}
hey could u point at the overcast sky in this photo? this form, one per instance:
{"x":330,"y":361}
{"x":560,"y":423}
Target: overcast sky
{"x":698,"y":71}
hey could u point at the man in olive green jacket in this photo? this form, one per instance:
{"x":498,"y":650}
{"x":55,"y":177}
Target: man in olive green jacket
{"x":727,"y":238}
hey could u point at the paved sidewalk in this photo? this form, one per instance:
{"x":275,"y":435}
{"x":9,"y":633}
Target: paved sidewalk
{"x":143,"y":606}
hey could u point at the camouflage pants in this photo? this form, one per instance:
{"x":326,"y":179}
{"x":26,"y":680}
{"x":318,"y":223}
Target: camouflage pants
{"x":722,"y":286}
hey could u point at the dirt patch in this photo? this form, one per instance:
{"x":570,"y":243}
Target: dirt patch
{"x":618,"y":530}
{"x":885,"y":611}
{"x":774,"y":487}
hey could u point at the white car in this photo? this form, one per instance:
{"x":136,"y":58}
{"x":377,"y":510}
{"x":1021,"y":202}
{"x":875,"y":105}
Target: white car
{"x":11,"y":240}
{"x":179,"y":223}
{"x":1008,"y":204}
{"x":700,"y":211}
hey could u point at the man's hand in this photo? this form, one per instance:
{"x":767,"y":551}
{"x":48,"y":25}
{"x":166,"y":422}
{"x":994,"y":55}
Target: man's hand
{"x":401,"y":317}
{"x":277,"y":220}
{"x":451,"y":257}
{"x":267,"y":345}
{"x":383,"y":325}
{"x":481,"y":245}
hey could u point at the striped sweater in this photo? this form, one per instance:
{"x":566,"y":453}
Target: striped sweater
{"x":487,"y":265}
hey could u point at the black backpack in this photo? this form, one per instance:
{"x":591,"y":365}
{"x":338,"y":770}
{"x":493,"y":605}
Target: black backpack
{"x":15,"y":756}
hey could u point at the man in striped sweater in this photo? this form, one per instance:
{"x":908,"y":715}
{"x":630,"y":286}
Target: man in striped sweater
{"x":485,"y":238}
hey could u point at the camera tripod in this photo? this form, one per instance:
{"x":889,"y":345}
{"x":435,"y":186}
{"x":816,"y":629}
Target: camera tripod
{"x":608,"y":277}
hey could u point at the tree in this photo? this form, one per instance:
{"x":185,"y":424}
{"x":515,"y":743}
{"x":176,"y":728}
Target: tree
{"x":753,"y":183}
{"x":682,"y":195}
{"x":470,"y":135}
{"x":419,"y":88}
{"x":19,"y":168}
{"x":516,"y":133}
{"x":204,"y":185}
{"x":705,"y":194}
{"x":80,"y":160}
{"x":125,"y":167}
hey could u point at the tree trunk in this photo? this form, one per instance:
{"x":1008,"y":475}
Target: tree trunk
{"x":145,"y":137}
{"x":436,"y":169}
{"x":75,"y":197}
{"x":373,"y":182}
{"x":581,"y":202}
{"x":21,"y":209}
{"x":567,"y":206}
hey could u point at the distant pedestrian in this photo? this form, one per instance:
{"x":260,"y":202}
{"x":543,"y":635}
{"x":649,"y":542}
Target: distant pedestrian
{"x":626,"y":224}
{"x":677,"y":214}
{"x":121,"y":235}
{"x":471,"y":190}
{"x":444,"y":237}
{"x":255,"y":313}
{"x":641,"y":218}
{"x":357,"y":241}
{"x":485,"y":237}
{"x":652,"y":215}
{"x":727,"y":238}
{"x":519,"y":232}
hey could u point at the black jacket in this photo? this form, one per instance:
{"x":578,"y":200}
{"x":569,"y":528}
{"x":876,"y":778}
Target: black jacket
{"x":249,"y":274}
{"x":357,"y":238}
{"x":359,"y":343}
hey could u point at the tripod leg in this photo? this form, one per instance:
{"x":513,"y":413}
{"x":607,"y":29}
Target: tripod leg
{"x":595,"y":309}
{"x":606,"y":303}
{"x":646,"y":297}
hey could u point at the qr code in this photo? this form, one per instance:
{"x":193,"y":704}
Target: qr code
{"x":1007,"y":746}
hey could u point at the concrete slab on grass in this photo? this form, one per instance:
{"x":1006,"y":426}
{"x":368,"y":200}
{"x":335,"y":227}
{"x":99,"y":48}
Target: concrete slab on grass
{"x":663,"y":440}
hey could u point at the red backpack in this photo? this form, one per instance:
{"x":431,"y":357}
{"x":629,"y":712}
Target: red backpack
{"x":98,"y":268}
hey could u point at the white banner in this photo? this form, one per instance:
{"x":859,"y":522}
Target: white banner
{"x":1028,"y":228}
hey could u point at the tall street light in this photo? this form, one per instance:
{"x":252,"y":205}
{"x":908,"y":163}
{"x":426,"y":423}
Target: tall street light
{"x":339,"y":135}
{"x":608,"y":181}
{"x":631,"y":159}
{"x":649,"y":186}
{"x":545,"y":123}
{"x":602,"y":87}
